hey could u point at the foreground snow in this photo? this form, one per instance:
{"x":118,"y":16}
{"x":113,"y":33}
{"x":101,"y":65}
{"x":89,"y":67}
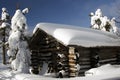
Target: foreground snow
{"x":108,"y":70}
{"x":105,"y":72}
{"x":5,"y":75}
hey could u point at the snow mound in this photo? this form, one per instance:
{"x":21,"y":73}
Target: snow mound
{"x":44,"y":69}
{"x":103,"y":70}
{"x":74,"y":35}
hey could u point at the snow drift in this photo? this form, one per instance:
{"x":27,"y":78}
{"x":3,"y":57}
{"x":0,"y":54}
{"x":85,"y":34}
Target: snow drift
{"x":103,"y":70}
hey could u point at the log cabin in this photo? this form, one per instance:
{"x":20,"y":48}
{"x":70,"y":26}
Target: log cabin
{"x":63,"y":47}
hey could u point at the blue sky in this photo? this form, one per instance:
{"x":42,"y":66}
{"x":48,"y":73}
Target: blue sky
{"x":71,"y":12}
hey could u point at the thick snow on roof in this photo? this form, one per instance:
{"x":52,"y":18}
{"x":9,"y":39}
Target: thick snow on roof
{"x":73,"y":35}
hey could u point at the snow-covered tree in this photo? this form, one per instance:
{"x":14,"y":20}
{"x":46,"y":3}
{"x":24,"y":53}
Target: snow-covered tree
{"x":5,"y":20}
{"x":4,"y":30}
{"x":5,"y":15}
{"x":101,"y":22}
{"x":18,"y":51}
{"x":94,"y":21}
{"x":114,"y":27}
{"x":98,"y":13}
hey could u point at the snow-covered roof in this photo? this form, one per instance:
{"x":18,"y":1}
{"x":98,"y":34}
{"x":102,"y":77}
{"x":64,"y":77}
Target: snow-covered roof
{"x":80,"y":36}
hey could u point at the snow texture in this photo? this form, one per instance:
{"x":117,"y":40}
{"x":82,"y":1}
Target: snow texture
{"x":4,"y":15}
{"x":44,"y":69}
{"x":5,"y":19}
{"x":18,"y":51}
{"x":4,"y":25}
{"x":26,"y":10}
{"x":73,"y":35}
{"x":6,"y":74}
{"x":18,"y":21}
{"x":102,"y":70}
{"x":100,"y":22}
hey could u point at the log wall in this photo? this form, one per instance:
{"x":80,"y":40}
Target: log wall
{"x":107,"y":55}
{"x":46,"y":48}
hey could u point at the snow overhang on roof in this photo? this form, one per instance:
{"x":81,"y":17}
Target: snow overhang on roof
{"x":79,"y":36}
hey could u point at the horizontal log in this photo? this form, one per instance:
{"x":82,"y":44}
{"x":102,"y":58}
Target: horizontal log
{"x":51,"y":40}
{"x":72,"y":61}
{"x":84,"y":63}
{"x":73,"y":69}
{"x":47,"y":46}
{"x":45,"y":60}
{"x":34,"y":55}
{"x":47,"y":56}
{"x":83,"y":70}
{"x":44,"y":46}
{"x":34,"y":58}
{"x":43,"y":43}
{"x":47,"y":38}
{"x":43,"y":54}
{"x":72,"y":56}
{"x":108,"y":60}
{"x":85,"y":66}
{"x":72,"y":65}
{"x":72,"y":74}
{"x":85,"y":59}
{"x":111,"y":61}
{"x":47,"y":42}
{"x":49,"y":49}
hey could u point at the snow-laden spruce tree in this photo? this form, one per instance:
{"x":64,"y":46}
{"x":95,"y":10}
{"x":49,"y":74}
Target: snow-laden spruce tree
{"x":4,"y":31}
{"x":18,"y":51}
{"x":5,"y":21}
{"x":114,"y":27}
{"x":101,"y":22}
{"x":5,"y":15}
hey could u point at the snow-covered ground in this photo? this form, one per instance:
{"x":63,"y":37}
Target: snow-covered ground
{"x":106,"y":72}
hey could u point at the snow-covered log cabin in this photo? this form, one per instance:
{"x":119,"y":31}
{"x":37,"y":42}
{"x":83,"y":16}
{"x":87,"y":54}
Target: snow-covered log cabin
{"x":70,"y":50}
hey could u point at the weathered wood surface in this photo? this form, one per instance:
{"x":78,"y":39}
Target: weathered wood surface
{"x":46,"y":44}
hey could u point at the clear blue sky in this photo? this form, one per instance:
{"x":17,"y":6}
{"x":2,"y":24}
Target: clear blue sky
{"x":72,"y":12}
